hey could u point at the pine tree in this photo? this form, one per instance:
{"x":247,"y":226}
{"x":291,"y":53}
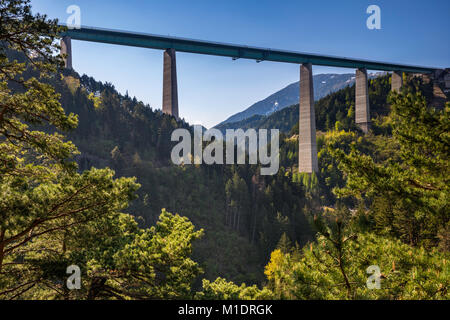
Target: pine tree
{"x":42,"y":194}
{"x":412,"y":187}
{"x":285,"y":244}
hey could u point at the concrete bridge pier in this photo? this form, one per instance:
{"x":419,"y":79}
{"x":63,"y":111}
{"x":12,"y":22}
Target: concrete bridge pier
{"x":397,"y":81}
{"x":66,"y":49}
{"x":307,"y":152}
{"x":170,"y":89}
{"x":362,"y":107}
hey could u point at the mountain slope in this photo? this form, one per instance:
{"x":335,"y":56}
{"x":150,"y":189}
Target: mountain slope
{"x":335,"y":107}
{"x":323,"y":85}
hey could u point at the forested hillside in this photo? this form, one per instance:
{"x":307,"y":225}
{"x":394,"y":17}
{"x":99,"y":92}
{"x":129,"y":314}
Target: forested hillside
{"x":134,"y":140}
{"x":335,"y":109}
{"x":243,"y":214}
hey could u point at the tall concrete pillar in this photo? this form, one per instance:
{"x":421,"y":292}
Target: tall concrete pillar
{"x":397,"y":81}
{"x":170,"y":89}
{"x":66,"y":49}
{"x":362,"y":108}
{"x":307,"y":152}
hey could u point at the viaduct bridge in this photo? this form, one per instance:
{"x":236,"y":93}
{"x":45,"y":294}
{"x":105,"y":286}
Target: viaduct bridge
{"x":307,"y":127}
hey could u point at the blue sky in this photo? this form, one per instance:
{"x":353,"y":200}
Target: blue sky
{"x":213,"y":88}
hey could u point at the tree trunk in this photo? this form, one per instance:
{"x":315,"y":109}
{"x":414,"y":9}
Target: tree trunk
{"x":2,"y":248}
{"x":254,"y":227}
{"x":347,"y":283}
{"x":239,"y":216}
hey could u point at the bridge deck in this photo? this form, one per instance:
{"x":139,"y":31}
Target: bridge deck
{"x":231,"y":50}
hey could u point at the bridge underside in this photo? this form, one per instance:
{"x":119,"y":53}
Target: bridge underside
{"x":230,"y":50}
{"x":307,"y":128}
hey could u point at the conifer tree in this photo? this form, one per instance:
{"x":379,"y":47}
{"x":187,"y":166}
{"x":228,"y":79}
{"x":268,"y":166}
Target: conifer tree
{"x":411,"y":188}
{"x":42,"y":194}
